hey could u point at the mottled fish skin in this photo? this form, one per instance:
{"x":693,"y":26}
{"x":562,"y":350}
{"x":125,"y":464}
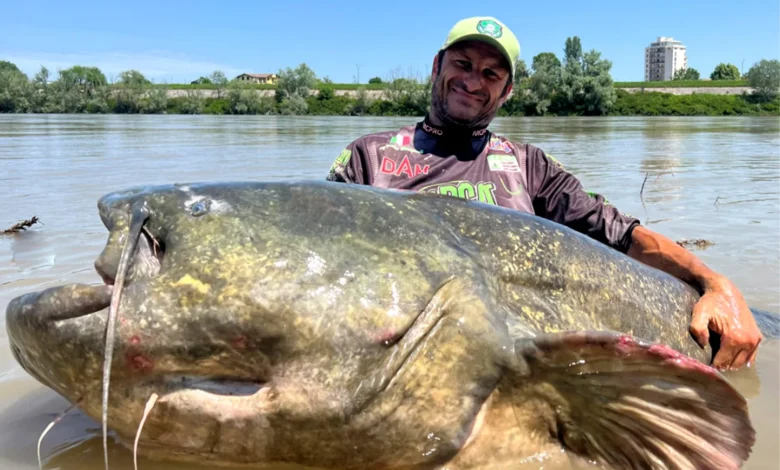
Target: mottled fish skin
{"x":331,"y":325}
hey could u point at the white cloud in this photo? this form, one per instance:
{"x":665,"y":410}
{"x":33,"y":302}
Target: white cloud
{"x":156,"y":66}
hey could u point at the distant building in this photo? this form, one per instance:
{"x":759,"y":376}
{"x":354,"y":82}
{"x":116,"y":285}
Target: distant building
{"x":663,"y":58}
{"x":263,"y":78}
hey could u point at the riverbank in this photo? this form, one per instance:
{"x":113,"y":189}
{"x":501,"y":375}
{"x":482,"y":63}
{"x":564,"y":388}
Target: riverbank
{"x":668,"y":104}
{"x":686,"y":86}
{"x":379,"y":93}
{"x":405,"y":99}
{"x":375,"y":103}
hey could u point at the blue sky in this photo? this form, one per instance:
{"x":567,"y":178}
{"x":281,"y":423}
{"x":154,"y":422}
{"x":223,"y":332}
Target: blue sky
{"x":176,"y":42}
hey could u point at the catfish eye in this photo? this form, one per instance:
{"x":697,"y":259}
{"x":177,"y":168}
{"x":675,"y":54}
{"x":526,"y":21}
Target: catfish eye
{"x":199,"y":208}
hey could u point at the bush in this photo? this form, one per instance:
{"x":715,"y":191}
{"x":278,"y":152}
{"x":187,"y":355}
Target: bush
{"x":725,"y":72}
{"x":764,"y":77}
{"x":243,"y":100}
{"x":666,"y":104}
{"x":192,"y":103}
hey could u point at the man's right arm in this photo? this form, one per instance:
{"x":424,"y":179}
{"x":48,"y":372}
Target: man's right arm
{"x":559,"y":196}
{"x":349,"y":166}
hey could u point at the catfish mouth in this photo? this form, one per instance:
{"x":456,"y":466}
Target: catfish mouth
{"x":217,"y":386}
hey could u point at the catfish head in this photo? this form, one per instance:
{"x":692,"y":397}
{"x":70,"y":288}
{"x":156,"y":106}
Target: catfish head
{"x":268,"y":331}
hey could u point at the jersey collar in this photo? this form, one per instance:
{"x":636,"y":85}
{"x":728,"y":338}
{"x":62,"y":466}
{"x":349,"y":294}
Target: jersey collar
{"x":435,"y":131}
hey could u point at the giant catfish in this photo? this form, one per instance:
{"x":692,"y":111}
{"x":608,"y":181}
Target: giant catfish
{"x":342,"y":326}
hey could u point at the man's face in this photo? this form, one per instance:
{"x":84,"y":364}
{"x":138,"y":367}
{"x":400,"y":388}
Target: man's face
{"x":471,"y":85}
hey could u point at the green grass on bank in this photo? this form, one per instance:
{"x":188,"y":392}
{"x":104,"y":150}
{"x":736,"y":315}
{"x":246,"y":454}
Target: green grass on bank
{"x":667,"y":104}
{"x":684,"y":84}
{"x":382,"y":86}
{"x":336,"y":86}
{"x":627,"y":104}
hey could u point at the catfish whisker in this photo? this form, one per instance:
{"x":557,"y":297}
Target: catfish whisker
{"x":48,"y":428}
{"x":137,"y":218}
{"x":149,"y":405}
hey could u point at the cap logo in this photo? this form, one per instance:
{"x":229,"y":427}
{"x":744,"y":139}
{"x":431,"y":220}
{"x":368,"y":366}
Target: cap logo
{"x":490,"y":28}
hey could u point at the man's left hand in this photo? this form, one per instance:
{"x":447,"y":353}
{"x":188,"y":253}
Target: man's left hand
{"x":723,"y":310}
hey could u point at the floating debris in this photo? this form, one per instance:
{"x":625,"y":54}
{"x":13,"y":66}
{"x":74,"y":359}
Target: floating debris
{"x":24,"y":225}
{"x":695,"y":242}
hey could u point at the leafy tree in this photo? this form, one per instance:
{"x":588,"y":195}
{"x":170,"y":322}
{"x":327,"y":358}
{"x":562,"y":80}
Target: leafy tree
{"x":572,"y":55}
{"x":408,"y":94}
{"x":764,"y":77}
{"x":546,"y":61}
{"x":219,"y":79}
{"x":42,"y":77}
{"x":361,"y":104}
{"x":686,"y":74}
{"x":6,"y":66}
{"x":133,"y":78}
{"x":521,"y":72}
{"x":14,"y":91}
{"x":201,"y":81}
{"x":88,"y":78}
{"x":244,"y":99}
{"x":299,"y":81}
{"x":373,"y":80}
{"x":192,"y":103}
{"x":129,"y":97}
{"x":586,"y":83}
{"x":40,"y":99}
{"x":725,"y":71}
{"x":155,"y":101}
{"x":294,"y":104}
{"x":77,"y":87}
{"x":536,"y":94}
{"x":325,"y":91}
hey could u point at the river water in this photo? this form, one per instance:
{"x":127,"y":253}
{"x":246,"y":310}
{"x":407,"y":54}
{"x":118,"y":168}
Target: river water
{"x":711,"y":178}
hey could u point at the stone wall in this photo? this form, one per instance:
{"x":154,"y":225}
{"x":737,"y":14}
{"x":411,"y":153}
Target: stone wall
{"x":737,"y":90}
{"x":377,"y":94}
{"x":373,"y":94}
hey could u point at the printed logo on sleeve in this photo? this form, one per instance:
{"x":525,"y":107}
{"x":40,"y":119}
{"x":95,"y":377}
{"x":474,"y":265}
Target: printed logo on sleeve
{"x":506,"y":163}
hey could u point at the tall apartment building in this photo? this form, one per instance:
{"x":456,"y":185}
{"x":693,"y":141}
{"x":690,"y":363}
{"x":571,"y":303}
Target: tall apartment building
{"x":663,"y":58}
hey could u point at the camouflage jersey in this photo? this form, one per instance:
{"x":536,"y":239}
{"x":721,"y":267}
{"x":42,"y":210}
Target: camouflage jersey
{"x":484,"y":167}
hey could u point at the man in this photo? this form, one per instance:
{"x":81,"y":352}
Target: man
{"x":452,"y":152}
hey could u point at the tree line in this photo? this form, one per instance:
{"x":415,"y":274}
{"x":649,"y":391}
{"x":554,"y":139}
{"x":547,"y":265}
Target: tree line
{"x":580,"y":84}
{"x":577,"y":83}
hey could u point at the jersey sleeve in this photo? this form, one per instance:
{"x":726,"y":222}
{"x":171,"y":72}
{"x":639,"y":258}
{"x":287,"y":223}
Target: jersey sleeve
{"x":349,"y":166}
{"x":559,"y":196}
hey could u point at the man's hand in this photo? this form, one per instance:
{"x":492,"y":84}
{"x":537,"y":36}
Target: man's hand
{"x":723,"y":310}
{"x":721,"y":307}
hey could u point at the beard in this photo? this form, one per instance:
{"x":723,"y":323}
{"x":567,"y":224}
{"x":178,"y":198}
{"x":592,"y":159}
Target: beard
{"x":440,"y":110}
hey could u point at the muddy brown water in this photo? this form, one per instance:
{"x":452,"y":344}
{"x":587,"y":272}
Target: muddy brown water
{"x":689,"y":178}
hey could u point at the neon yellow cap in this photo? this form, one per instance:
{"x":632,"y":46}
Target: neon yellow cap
{"x":489,"y":30}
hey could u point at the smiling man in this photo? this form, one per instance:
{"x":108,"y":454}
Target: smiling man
{"x":452,"y":152}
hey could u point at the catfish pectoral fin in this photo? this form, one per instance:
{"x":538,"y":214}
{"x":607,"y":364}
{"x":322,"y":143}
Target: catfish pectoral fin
{"x":633,"y":405}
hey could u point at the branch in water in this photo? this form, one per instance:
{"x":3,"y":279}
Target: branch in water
{"x":696,"y":242}
{"x":643,"y":185}
{"x":22,"y":225}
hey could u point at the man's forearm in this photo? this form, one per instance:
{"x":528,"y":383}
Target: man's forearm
{"x":662,"y":253}
{"x":721,"y":307}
